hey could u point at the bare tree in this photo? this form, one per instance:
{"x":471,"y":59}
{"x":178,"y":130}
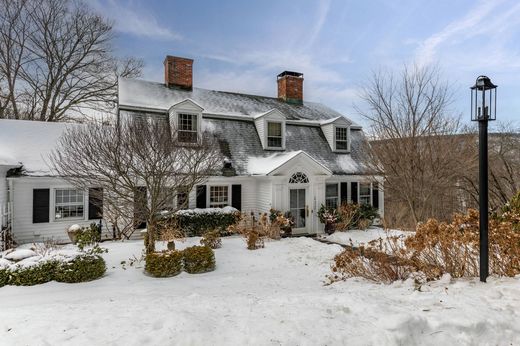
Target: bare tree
{"x":411,"y":125}
{"x":504,"y":167}
{"x":56,"y":60}
{"x":139,"y":164}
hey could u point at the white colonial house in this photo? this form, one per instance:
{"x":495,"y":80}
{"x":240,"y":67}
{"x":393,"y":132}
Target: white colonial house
{"x":282,"y":153}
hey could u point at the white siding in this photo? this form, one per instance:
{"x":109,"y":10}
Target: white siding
{"x":328,"y":132}
{"x":260,"y":128}
{"x":24,"y":230}
{"x":264,"y":196}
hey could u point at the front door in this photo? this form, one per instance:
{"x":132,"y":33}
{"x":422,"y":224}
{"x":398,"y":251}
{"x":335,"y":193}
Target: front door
{"x":298,"y":207}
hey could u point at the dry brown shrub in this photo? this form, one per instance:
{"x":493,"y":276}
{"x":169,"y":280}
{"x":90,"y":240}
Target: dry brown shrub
{"x":212,"y":239}
{"x":436,"y":248}
{"x":256,"y":230}
{"x":349,"y":216}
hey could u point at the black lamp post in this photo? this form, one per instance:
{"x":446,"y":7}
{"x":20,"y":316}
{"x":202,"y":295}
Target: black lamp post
{"x":483,"y":109}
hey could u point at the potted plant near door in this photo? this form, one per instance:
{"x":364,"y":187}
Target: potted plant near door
{"x":328,"y":217}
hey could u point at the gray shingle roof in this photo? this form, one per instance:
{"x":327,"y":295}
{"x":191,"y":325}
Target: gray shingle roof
{"x":239,"y":141}
{"x":145,"y":94}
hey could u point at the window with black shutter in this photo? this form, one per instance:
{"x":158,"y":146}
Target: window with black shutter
{"x":95,"y":203}
{"x":41,"y":205}
{"x":236,"y":196}
{"x":201,"y":196}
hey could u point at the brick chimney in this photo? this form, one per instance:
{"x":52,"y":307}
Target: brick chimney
{"x":178,"y":72}
{"x":290,"y":87}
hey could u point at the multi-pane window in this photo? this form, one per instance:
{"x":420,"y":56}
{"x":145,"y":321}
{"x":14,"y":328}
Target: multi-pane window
{"x":187,"y":130}
{"x":182,"y":198}
{"x":331,"y":196}
{"x":341,"y":138}
{"x":218,"y":196}
{"x":364,"y":193}
{"x":274,"y":135}
{"x":68,"y":204}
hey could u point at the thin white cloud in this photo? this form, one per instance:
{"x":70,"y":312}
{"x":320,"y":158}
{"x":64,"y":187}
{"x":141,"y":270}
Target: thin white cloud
{"x":469,"y":24}
{"x":323,"y":11}
{"x":135,"y":21}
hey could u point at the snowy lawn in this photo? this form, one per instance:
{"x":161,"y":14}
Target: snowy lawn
{"x":271,"y":296}
{"x":358,"y":237}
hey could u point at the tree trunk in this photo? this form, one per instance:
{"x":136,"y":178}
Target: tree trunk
{"x":150,"y":236}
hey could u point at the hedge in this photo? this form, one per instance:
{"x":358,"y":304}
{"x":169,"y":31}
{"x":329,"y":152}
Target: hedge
{"x":82,"y":268}
{"x":196,"y":222}
{"x":198,"y":259}
{"x":4,"y":277}
{"x":38,"y":274}
{"x":164,"y":264}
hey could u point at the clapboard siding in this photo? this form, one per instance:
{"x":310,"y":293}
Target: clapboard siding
{"x":24,"y":230}
{"x":328,"y":132}
{"x":264,"y":196}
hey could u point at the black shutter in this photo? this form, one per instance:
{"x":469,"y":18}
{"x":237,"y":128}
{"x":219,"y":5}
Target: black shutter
{"x":40,"y":205}
{"x":236,"y":196}
{"x":353,"y":192}
{"x":344,"y":192}
{"x":95,"y":203}
{"x":375,"y":195}
{"x":140,"y":200}
{"x":201,"y":196}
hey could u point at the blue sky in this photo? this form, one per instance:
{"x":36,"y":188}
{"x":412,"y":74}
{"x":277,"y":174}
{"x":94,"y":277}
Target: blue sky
{"x":242,"y":45}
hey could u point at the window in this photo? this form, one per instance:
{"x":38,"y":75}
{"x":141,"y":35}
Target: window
{"x":274,"y":135}
{"x":331,"y":196}
{"x":69,"y":204}
{"x":341,"y":138}
{"x":182,"y":198}
{"x":299,"y":178}
{"x":187,"y":128}
{"x":218,"y":196}
{"x":364,"y":193}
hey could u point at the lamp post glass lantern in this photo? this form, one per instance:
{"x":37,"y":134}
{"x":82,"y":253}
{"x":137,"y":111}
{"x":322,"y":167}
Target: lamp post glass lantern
{"x":483,"y":109}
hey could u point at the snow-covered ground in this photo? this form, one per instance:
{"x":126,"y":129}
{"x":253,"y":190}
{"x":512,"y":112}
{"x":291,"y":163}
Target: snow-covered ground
{"x":358,"y":237}
{"x":271,"y":296}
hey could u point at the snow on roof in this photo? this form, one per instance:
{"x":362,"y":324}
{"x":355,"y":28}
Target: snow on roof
{"x":265,"y":165}
{"x":140,"y":94}
{"x":28,"y":144}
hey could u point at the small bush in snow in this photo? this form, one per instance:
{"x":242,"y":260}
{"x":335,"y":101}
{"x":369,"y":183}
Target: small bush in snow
{"x":39,"y":273}
{"x":212,"y":239}
{"x":198,"y":259}
{"x":254,"y":241}
{"x":4,"y":277}
{"x":82,"y":268}
{"x":163,"y":264}
{"x":88,"y":236}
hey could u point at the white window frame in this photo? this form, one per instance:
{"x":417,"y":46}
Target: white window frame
{"x":337,"y":198}
{"x":208,"y":197}
{"x":282,"y":130}
{"x":57,"y":204}
{"x":197,"y":125}
{"x":370,"y":202}
{"x":347,"y":129}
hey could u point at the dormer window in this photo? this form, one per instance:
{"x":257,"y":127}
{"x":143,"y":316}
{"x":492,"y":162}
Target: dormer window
{"x":274,"y":134}
{"x":187,"y":131}
{"x":341,"y":139}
